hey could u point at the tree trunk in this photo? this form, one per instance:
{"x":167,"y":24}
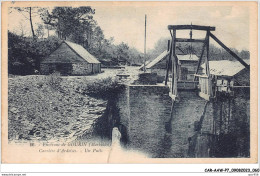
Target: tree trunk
{"x":30,"y":13}
{"x":48,"y":30}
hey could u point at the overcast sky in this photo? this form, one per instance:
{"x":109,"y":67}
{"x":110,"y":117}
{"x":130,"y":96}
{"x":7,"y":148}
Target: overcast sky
{"x":126,"y":23}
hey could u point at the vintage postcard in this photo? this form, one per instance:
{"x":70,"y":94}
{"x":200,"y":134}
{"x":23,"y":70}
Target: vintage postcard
{"x":129,"y":82}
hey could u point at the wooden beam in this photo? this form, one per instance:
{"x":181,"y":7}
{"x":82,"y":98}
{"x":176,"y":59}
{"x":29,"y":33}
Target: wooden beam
{"x":201,"y":76}
{"x":189,"y":40}
{"x":168,"y":65}
{"x":145,"y":44}
{"x":193,"y":27}
{"x":229,"y":51}
{"x":209,"y":92}
{"x":174,"y":66}
{"x":171,"y":32}
{"x":198,"y":66}
{"x":207,"y":58}
{"x":173,"y":62}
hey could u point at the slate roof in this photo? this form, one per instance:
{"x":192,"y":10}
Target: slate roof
{"x":224,"y":67}
{"x":158,"y":59}
{"x":82,"y":52}
{"x":181,"y":57}
{"x":188,"y":57}
{"x":161,"y":57}
{"x":69,"y":52}
{"x":146,"y":63}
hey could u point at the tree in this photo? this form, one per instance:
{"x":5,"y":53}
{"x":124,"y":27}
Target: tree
{"x":29,"y":13}
{"x":22,"y":32}
{"x":25,"y":54}
{"x":74,"y":23}
{"x":40,"y":31}
{"x":215,"y":53}
{"x":78,"y":25}
{"x":135,"y":57}
{"x":159,"y":47}
{"x":98,"y":38}
{"x":122,"y":53}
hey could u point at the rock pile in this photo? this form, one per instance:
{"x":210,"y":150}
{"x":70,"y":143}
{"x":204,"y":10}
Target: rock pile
{"x":39,"y":111}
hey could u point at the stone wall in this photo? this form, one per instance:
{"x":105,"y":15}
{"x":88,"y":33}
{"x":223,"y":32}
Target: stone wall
{"x":232,"y":125}
{"x":150,"y":108}
{"x":145,"y":111}
{"x":188,"y":109}
{"x":81,"y":69}
{"x":70,"y":69}
{"x":225,"y":129}
{"x":44,"y":68}
{"x":96,"y":68}
{"x":151,"y":127}
{"x":160,"y":72}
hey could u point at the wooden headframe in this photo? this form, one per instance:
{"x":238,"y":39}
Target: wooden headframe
{"x":173,"y":60}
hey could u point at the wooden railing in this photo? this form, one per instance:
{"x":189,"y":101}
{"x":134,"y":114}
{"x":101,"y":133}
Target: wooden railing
{"x":187,"y":85}
{"x":205,"y":87}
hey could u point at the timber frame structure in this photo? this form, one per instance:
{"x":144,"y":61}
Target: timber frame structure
{"x":173,"y":60}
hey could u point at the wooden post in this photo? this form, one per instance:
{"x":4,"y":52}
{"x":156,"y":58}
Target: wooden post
{"x":221,"y":116}
{"x":202,"y":52}
{"x":145,"y":44}
{"x":207,"y":66}
{"x":169,"y":63}
{"x":229,"y":113}
{"x":207,"y":58}
{"x":174,"y":66}
{"x":173,"y":51}
{"x":175,"y":74}
{"x":168,"y":46}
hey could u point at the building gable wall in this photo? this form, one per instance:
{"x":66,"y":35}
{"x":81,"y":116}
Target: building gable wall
{"x":81,"y":69}
{"x":67,"y":62}
{"x":64,"y":54}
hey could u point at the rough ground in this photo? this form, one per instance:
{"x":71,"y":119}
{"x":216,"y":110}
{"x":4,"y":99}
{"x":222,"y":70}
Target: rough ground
{"x":50,"y":108}
{"x":55,"y":108}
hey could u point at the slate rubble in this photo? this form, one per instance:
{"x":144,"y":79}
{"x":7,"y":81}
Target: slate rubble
{"x":59,"y":113}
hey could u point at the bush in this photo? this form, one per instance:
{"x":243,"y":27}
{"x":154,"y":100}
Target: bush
{"x":25,"y":53}
{"x":103,"y":88}
{"x":54,"y":80}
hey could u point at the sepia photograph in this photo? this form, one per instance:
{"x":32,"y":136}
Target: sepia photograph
{"x":129,"y":82}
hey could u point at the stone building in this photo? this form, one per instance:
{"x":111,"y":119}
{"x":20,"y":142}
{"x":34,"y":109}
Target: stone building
{"x":70,"y":59}
{"x":226,"y":77}
{"x":229,"y":72}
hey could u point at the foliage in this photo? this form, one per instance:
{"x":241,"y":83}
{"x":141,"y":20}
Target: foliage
{"x":40,"y":31}
{"x":25,"y":53}
{"x":102,"y":88}
{"x":29,"y":13}
{"x":54,"y":81}
{"x":74,"y":23}
{"x":215,"y":53}
{"x":78,"y":25}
